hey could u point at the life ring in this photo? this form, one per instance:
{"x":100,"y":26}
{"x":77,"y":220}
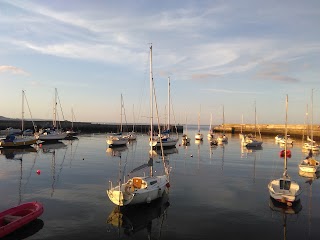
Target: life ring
{"x":288,"y":153}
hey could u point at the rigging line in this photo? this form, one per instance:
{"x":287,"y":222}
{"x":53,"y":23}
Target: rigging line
{"x":60,"y":107}
{"x":34,"y":162}
{"x":159,"y":130}
{"x":61,"y":164}
{"x":25,"y":97}
{"x":72,"y":155}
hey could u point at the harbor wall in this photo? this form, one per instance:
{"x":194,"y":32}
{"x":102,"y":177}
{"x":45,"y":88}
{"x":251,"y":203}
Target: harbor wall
{"x":294,"y":130}
{"x":86,"y":127}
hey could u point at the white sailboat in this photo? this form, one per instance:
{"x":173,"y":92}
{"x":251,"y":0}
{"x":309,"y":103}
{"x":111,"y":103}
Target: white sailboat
{"x":241,"y":134}
{"x":251,"y":140}
{"x":141,"y":189}
{"x":198,"y":136}
{"x":311,"y":144}
{"x":54,"y":133}
{"x":132,"y":135}
{"x":13,"y":141}
{"x":210,"y":134}
{"x":222,"y":138}
{"x":185,"y":137}
{"x":117,"y":139}
{"x":284,"y":189}
{"x":310,"y":164}
{"x":166,"y":138}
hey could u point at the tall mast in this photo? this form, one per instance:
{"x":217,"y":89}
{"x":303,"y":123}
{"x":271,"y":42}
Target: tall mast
{"x":285,"y":137}
{"x":169,"y":104}
{"x":255,"y":118}
{"x":121,"y":114}
{"x":223,"y":117}
{"x":311,"y":118}
{"x":22,"y":116}
{"x":151,"y":108}
{"x":55,"y":109}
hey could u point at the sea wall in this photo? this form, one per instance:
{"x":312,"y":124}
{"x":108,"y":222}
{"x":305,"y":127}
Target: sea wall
{"x":85,"y":127}
{"x":294,"y":130}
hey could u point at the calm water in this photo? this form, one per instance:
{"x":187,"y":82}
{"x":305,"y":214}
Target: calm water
{"x":215,"y":193}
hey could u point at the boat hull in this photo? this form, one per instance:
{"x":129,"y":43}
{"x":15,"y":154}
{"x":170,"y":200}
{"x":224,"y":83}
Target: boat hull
{"x":286,"y":196}
{"x":16,"y":217}
{"x":123,"y":195}
{"x":18,"y":143}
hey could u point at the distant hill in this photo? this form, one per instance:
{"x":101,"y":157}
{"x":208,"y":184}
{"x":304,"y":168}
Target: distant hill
{"x":2,"y":118}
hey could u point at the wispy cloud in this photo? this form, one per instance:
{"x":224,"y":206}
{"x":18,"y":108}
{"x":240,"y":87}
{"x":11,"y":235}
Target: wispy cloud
{"x":230,"y":91}
{"x":12,"y":69}
{"x":275,"y":72}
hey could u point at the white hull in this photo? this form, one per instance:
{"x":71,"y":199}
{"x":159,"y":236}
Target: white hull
{"x":128,"y":194}
{"x":52,"y":136}
{"x":283,"y":194}
{"x":309,"y":165}
{"x":117,"y":141}
{"x":310,"y":146}
{"x":167,"y":142}
{"x":198,"y":136}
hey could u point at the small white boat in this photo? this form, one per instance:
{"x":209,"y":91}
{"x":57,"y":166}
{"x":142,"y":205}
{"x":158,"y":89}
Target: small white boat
{"x":251,"y":141}
{"x":309,"y":164}
{"x":51,"y":134}
{"x":185,"y":139}
{"x":117,"y":139}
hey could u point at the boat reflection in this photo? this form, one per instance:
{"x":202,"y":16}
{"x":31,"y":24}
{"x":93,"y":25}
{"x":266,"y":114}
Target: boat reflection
{"x":116,"y":151}
{"x":50,"y":147}
{"x":285,"y":211}
{"x":11,"y":153}
{"x":132,"y":219}
{"x":165,"y":152}
{"x":26,"y":231}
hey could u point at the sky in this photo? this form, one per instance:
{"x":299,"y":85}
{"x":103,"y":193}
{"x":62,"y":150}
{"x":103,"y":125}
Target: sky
{"x":232,"y":58}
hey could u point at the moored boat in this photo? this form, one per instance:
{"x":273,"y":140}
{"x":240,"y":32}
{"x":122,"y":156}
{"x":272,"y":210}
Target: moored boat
{"x":16,"y":217}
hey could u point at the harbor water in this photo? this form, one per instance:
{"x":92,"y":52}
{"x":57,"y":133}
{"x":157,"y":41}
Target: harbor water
{"x":216,"y":192}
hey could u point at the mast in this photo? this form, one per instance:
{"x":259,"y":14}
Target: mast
{"x":311,"y":119}
{"x":121,"y":114}
{"x":169,"y":104}
{"x":151,"y":108}
{"x":255,"y":118}
{"x":285,"y":139}
{"x":223,"y":118}
{"x":55,"y":109}
{"x":22,"y":116}
{"x":134,"y":120}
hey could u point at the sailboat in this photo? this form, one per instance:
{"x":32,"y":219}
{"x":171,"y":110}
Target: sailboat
{"x":13,"y":141}
{"x":185,"y":138}
{"x":141,"y":189}
{"x":310,"y":164}
{"x":166,"y":138}
{"x":210,"y":134}
{"x":241,"y":134}
{"x":117,"y":139}
{"x":251,"y":140}
{"x":222,"y":138}
{"x":198,"y":136}
{"x":311,"y":144}
{"x":54,"y":133}
{"x":132,"y":135}
{"x":284,"y":189}
{"x":71,"y":133}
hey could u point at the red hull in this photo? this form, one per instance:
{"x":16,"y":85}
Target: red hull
{"x":16,"y":217}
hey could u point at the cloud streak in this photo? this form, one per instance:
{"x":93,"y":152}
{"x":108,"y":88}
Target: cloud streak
{"x":12,"y":69}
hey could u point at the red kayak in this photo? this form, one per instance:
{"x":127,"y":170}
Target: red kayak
{"x":16,"y":217}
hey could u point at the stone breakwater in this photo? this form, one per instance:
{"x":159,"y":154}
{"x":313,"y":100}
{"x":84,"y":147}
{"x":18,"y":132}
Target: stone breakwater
{"x":86,"y":127}
{"x":294,"y":130}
